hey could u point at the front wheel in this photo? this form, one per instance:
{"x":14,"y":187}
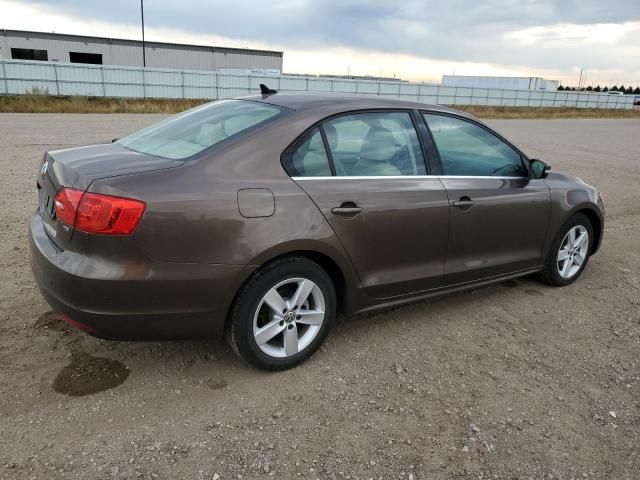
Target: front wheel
{"x":569,"y":253}
{"x":282,"y":314}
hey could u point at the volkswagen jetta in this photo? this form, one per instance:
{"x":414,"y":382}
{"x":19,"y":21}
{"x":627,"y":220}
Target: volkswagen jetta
{"x":264,"y":217}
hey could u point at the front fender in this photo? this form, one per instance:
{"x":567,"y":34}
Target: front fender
{"x":570,"y":195}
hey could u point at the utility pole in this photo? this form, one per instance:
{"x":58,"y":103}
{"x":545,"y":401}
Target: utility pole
{"x":580,"y":80}
{"x":144,"y":58}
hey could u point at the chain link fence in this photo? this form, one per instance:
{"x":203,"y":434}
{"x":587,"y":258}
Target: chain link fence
{"x":19,"y":77}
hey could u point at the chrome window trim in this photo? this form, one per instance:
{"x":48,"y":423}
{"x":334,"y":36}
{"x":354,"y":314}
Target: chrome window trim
{"x":420,"y":177}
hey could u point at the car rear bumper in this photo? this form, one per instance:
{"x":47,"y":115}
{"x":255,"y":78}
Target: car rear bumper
{"x":126,"y":299}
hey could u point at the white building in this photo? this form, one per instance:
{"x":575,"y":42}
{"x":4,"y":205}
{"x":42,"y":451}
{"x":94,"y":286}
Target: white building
{"x":54,"y":47}
{"x":505,"y":83}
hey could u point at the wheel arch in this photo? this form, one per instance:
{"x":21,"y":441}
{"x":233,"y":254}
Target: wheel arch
{"x":337,"y":266}
{"x":596,"y":222}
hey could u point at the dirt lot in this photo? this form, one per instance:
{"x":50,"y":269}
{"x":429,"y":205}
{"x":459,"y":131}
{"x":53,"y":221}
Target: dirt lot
{"x":513,"y":381}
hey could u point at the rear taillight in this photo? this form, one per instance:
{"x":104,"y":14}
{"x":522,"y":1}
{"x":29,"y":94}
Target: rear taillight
{"x":95,"y":213}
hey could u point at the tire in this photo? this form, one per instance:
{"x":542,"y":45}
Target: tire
{"x":276,"y":285}
{"x":555,"y":272}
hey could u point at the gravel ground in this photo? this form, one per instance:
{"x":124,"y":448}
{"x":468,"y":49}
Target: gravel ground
{"x":513,"y":381}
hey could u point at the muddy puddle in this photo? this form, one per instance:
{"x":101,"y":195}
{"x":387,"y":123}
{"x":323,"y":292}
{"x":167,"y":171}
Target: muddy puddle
{"x":86,"y":375}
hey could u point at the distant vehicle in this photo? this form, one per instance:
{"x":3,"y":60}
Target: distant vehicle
{"x":264,"y":217}
{"x":615,"y":93}
{"x":636,"y":100}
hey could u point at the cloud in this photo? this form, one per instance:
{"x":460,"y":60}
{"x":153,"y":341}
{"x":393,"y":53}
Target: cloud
{"x":516,"y":35}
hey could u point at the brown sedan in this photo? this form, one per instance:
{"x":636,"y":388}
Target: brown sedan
{"x":265,"y":217}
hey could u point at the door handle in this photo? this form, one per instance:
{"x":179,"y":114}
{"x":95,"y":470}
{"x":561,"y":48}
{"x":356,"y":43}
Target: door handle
{"x":465,"y":203}
{"x":347,"y":209}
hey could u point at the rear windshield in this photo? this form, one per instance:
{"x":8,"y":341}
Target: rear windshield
{"x":190,"y":132}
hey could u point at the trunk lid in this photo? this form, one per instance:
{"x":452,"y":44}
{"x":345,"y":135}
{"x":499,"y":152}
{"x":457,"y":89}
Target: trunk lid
{"x":77,"y":168}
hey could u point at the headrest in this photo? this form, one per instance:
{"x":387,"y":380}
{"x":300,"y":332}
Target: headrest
{"x":210,"y":134}
{"x":316,"y":142}
{"x":236,"y":123}
{"x":379,"y":145}
{"x":315,"y":164}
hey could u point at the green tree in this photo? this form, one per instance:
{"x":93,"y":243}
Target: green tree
{"x":589,"y":88}
{"x":621,"y":88}
{"x":597,"y":89}
{"x":629,"y":91}
{"x":605,"y":89}
{"x":637,"y":91}
{"x":614,"y":88}
{"x":560,"y":88}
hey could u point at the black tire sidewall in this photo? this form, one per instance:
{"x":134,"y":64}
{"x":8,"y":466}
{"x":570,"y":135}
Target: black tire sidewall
{"x":241,"y":322}
{"x":551,"y":272}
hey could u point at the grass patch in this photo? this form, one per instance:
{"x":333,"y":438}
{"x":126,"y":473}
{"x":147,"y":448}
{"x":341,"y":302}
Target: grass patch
{"x":40,"y":102}
{"x":546,"y":112}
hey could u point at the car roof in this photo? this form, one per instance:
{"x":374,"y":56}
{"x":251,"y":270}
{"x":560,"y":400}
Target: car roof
{"x":342,"y":102}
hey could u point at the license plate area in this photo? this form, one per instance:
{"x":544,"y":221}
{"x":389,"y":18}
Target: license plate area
{"x":46,"y":204}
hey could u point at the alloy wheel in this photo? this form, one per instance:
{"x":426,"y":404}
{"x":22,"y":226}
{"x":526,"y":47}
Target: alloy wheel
{"x":573,"y":251}
{"x":289,"y":317}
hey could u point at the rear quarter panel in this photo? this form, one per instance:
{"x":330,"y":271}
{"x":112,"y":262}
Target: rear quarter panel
{"x":192,"y":213}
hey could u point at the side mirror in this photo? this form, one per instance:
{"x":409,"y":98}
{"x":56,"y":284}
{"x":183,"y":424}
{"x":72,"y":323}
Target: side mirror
{"x":539,"y":169}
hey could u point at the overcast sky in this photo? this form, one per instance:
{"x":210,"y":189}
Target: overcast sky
{"x":415,"y":40}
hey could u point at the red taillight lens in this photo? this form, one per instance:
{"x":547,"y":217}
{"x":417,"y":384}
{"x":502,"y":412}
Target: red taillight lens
{"x":66,"y":205}
{"x":95,"y":213}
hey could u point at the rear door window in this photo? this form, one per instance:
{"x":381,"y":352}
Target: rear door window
{"x":374,"y":144}
{"x":309,"y":159}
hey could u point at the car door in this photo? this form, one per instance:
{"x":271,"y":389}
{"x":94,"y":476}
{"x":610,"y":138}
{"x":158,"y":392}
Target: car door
{"x":366,"y":172}
{"x":499,"y":215}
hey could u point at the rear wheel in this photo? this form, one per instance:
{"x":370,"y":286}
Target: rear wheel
{"x":569,"y":253}
{"x":282,"y":314}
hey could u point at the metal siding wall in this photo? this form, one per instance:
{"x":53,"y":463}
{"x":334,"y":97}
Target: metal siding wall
{"x":235,"y":60}
{"x":179,"y":59}
{"x":4,"y":48}
{"x":129,"y":53}
{"x":58,"y":49}
{"x":18,"y":76}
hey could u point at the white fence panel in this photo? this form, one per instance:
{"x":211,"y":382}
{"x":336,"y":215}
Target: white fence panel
{"x":201,"y":93}
{"x":69,"y":73}
{"x":430,"y":99}
{"x":368,"y":87}
{"x":30,"y":71}
{"x":124,"y":91}
{"x":172,"y":79}
{"x":122,"y":75}
{"x":194,"y":79}
{"x":411,"y":89}
{"x":81,"y":88}
{"x":509,"y":98}
{"x":293,"y":84}
{"x":390,"y":88}
{"x":20,"y":87}
{"x":319,"y":85}
{"x":429,"y":90}
{"x":344,"y":86}
{"x":446,"y":100}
